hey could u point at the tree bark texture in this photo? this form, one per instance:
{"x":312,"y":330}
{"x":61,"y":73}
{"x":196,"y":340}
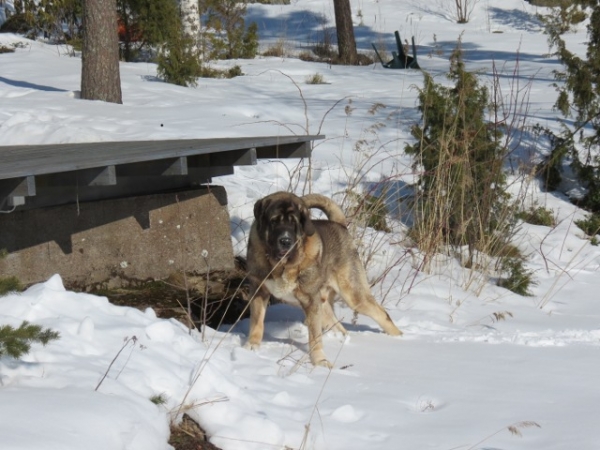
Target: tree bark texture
{"x":100,"y":76}
{"x":190,"y":17}
{"x":345,"y":32}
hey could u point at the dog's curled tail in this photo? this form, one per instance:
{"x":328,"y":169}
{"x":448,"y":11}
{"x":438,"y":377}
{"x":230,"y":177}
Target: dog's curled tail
{"x":328,"y":206}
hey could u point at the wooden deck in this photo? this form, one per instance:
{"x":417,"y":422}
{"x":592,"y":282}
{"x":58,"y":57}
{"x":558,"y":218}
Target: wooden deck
{"x":34,"y":176}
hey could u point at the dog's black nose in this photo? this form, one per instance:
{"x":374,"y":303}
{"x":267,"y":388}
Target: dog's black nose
{"x":285,"y":242}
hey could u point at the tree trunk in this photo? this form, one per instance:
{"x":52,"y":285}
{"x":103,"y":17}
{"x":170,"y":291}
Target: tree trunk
{"x":190,"y":18}
{"x":100,"y":77}
{"x":345,"y":32}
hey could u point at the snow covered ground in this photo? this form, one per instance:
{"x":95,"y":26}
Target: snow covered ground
{"x":476,"y":368}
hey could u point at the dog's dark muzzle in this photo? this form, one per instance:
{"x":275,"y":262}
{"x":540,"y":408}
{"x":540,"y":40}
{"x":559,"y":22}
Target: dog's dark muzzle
{"x":285,"y":243}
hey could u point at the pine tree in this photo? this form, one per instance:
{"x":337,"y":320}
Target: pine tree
{"x":145,"y":24}
{"x":461,"y":162}
{"x":578,"y":87}
{"x":16,"y":342}
{"x":9,"y":284}
{"x":178,"y":61}
{"x":226,"y":31}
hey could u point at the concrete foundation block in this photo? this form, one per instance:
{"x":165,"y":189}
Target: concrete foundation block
{"x":119,"y":241}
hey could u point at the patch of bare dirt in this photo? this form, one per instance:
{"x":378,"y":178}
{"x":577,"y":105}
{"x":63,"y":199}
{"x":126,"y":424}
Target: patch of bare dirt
{"x":189,"y":436}
{"x":216,"y":299}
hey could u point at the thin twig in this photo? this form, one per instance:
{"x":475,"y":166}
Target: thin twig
{"x":132,"y":340}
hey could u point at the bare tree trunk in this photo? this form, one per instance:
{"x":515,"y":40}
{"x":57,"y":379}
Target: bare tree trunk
{"x":190,"y":17}
{"x":345,"y":32}
{"x":100,"y":76}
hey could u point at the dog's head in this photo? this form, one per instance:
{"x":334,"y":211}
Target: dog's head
{"x":283,"y":221}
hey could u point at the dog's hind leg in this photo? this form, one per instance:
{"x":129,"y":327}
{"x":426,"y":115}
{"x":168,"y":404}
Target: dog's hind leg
{"x":369,"y":307}
{"x":356,"y":293}
{"x":329,"y":321}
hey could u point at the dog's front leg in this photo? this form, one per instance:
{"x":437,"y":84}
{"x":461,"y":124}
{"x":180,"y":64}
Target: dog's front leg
{"x":313,"y":310}
{"x":258,"y":308}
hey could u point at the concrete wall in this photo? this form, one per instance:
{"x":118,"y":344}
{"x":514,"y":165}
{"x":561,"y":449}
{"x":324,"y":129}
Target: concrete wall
{"x":117,"y":241}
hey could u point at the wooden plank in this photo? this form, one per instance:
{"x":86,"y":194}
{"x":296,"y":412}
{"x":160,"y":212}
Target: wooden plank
{"x":18,"y":161}
{"x":50,"y":195}
{"x":14,"y":191}
{"x":161,"y":167}
{"x":245,"y":157}
{"x":98,"y":176}
{"x":293,"y":150}
{"x":101,"y":176}
{"x":91,"y":171}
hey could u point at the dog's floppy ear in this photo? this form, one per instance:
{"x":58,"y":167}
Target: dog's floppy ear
{"x":307,"y":224}
{"x":258,"y":209}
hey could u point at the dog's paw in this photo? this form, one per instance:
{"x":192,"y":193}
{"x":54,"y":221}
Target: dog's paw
{"x":392,"y":329}
{"x":321,"y":362}
{"x":251,"y":346}
{"x":325,"y":363}
{"x":336,"y":330}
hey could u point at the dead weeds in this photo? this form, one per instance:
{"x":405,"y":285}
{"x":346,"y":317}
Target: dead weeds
{"x":217,"y":299}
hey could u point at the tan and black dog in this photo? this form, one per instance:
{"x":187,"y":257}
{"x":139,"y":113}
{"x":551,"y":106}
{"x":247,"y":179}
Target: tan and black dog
{"x":306,"y":262}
